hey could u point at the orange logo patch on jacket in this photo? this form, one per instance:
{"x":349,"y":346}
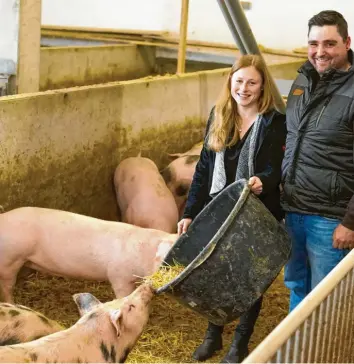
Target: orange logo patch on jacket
{"x":298,"y":92}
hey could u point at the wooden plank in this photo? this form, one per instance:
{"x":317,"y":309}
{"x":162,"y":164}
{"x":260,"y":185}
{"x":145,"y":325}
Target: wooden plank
{"x":155,"y":40}
{"x":181,"y":62}
{"x":105,"y":30}
{"x":28,"y":67}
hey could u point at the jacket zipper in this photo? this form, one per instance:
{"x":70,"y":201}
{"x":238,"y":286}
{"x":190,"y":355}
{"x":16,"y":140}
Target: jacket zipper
{"x":322,"y":110}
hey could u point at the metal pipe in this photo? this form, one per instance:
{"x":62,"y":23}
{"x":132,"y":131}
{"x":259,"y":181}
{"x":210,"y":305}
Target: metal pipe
{"x":242,"y":26}
{"x":232,"y":27}
{"x":244,"y":35}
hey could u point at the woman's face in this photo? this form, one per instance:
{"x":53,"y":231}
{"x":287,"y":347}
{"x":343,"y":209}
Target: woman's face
{"x":246,"y":86}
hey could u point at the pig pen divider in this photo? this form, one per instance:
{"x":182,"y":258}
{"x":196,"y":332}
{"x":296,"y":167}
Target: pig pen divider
{"x":232,"y":251}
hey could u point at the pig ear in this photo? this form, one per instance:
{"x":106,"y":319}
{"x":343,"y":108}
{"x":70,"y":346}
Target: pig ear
{"x":116,"y":317}
{"x":85,"y":302}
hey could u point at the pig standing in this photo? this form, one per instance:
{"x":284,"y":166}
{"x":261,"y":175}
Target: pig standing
{"x":19,"y":324}
{"x":195,"y":150}
{"x":142,"y":195}
{"x":105,"y":334}
{"x":178,"y":175}
{"x":72,"y":245}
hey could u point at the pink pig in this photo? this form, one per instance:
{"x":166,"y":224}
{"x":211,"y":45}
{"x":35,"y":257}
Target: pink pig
{"x":67,"y":244}
{"x":195,"y":150}
{"x":19,"y":324}
{"x":142,"y":195}
{"x":106,"y":333}
{"x":178,"y":176}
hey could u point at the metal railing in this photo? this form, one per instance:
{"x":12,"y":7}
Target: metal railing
{"x":320,"y":329}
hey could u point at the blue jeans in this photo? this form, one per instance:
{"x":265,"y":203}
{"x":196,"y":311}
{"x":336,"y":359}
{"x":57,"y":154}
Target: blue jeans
{"x":312,"y":256}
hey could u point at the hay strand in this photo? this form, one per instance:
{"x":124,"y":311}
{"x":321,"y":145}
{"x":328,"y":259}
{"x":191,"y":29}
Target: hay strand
{"x":165,"y":274}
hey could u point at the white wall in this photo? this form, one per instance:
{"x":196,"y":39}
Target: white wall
{"x":9,"y":11}
{"x":275,"y":23}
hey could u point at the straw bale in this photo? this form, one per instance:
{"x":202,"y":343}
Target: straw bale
{"x":173,"y":332}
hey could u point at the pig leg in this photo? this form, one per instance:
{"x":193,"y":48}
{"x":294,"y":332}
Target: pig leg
{"x":8,"y":276}
{"x":123,"y":284}
{"x":121,"y":291}
{"x":7,"y":283}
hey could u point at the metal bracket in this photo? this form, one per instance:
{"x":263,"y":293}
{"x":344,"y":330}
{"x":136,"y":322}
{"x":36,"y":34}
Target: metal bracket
{"x":4,"y":80}
{"x":7,"y":69}
{"x":246,"y":5}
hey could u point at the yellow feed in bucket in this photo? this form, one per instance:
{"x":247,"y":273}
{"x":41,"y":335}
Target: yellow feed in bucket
{"x":164,"y":275}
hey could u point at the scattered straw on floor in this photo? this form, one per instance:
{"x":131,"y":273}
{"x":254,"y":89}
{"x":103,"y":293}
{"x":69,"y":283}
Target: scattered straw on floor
{"x":173,"y":332}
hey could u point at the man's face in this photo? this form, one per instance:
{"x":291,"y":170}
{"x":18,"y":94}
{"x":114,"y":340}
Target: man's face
{"x":327,"y":49}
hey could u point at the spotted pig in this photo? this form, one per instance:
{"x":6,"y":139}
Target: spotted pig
{"x":106,"y":333}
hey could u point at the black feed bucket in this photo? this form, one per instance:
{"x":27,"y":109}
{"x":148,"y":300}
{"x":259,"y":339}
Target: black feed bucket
{"x":232,"y":251}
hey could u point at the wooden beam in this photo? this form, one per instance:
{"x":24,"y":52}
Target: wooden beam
{"x":139,"y":32}
{"x":183,"y":37}
{"x":133,"y":36}
{"x":29,"y":43}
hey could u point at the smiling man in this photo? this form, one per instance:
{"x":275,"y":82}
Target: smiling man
{"x":318,"y":167}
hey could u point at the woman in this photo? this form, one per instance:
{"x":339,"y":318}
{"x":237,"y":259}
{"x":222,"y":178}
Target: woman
{"x":243,"y":121}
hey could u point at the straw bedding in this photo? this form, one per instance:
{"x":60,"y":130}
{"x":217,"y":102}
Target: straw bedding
{"x":173,"y":332}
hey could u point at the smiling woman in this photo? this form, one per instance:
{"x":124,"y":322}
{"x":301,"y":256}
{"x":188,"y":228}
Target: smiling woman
{"x":244,"y":140}
{"x":246,"y":86}
{"x":246,"y":89}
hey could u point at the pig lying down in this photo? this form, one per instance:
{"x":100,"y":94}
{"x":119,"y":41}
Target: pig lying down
{"x":143,"y":197}
{"x":105,"y":334}
{"x":71,"y":245}
{"x":19,"y":324}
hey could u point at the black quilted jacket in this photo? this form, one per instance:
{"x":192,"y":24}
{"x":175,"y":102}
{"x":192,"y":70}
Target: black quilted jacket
{"x":318,"y":166}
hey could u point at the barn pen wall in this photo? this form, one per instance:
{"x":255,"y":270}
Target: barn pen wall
{"x":59,"y":149}
{"x":87,"y":65}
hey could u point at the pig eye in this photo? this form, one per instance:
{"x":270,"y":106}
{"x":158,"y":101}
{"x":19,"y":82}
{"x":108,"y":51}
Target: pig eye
{"x":130,"y":307}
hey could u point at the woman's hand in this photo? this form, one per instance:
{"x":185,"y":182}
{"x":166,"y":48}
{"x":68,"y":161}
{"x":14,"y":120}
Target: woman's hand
{"x":255,"y":185}
{"x":182,"y":226}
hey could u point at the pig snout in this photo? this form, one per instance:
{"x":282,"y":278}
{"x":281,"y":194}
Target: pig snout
{"x":143,"y":294}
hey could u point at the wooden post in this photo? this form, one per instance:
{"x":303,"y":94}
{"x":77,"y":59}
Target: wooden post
{"x":183,"y":37}
{"x":29,"y":44}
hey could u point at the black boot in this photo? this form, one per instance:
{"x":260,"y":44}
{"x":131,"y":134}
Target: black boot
{"x":238,"y":350}
{"x":243,"y":332}
{"x":212,"y":343}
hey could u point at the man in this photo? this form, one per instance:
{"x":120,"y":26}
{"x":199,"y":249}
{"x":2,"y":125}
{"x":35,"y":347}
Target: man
{"x":318,"y":166}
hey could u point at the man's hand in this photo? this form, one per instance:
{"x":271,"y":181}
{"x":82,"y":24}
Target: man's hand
{"x":343,"y":238}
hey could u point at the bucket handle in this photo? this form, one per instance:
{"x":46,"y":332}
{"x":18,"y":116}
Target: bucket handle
{"x":206,"y":252}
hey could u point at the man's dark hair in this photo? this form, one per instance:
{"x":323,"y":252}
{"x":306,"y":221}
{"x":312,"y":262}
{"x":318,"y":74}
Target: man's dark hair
{"x":330,"y":17}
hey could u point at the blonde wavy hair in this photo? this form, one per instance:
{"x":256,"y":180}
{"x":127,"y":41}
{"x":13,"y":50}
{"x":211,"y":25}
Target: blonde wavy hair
{"x":224,"y":130}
